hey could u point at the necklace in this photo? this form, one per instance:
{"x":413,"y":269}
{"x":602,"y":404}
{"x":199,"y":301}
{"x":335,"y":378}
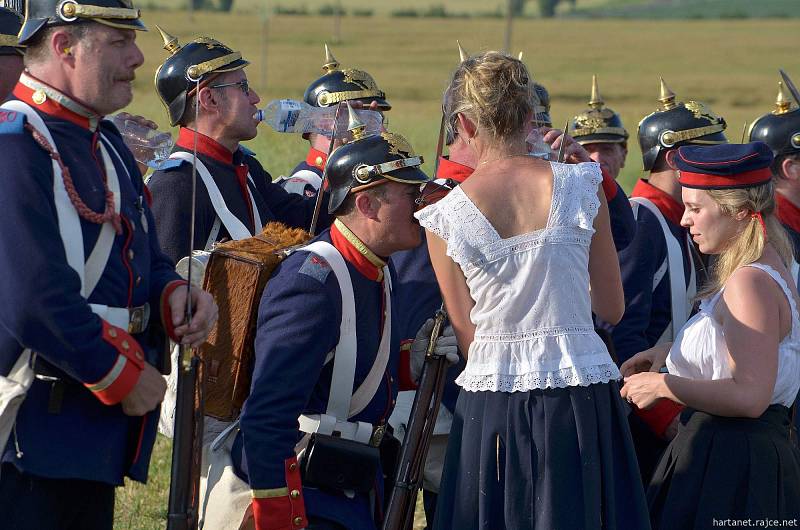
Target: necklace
{"x":482,"y":162}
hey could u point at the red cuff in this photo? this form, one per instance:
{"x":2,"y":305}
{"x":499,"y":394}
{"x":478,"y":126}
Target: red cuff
{"x":124,"y":374}
{"x":405,"y":381}
{"x":610,"y":187}
{"x":166,"y":312}
{"x":281,"y":508}
{"x":659,"y":416}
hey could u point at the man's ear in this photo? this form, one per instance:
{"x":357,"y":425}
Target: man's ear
{"x":209,"y":99}
{"x":790,"y":169}
{"x":367,"y":205}
{"x":62,"y":45}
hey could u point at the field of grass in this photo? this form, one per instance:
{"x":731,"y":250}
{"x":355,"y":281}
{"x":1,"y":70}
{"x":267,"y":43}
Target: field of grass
{"x":731,"y":64}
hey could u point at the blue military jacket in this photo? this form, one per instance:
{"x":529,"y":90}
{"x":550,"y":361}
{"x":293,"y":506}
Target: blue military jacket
{"x":86,"y":435}
{"x":648,"y":311}
{"x":171,"y":188}
{"x":315,"y":161}
{"x":298,"y":325}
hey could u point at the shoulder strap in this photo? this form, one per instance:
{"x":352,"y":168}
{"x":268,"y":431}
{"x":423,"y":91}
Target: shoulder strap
{"x":69,"y":224}
{"x":233,"y":225}
{"x":679,"y":294}
{"x":256,"y":214}
{"x":776,"y":276}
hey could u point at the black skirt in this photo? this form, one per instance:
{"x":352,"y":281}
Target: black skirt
{"x":555,"y":459}
{"x":720,"y":468}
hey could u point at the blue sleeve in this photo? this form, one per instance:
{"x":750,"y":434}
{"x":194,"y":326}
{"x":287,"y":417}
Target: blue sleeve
{"x":639,"y":262}
{"x":623,"y":224}
{"x":298,"y":324}
{"x":42,"y":305}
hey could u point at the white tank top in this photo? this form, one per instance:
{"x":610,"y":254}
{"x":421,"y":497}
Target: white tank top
{"x":700,"y":351}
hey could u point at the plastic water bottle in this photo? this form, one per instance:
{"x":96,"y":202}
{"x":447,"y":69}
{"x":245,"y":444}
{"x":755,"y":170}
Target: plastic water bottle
{"x":290,"y":116}
{"x":149,"y":146}
{"x":537,"y":146}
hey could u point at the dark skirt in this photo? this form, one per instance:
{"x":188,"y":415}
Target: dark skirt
{"x":555,"y":459}
{"x":720,"y":468}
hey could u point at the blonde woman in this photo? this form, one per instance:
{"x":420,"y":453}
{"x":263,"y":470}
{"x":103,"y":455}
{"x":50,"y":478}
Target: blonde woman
{"x":539,"y":438}
{"x":736,"y":363}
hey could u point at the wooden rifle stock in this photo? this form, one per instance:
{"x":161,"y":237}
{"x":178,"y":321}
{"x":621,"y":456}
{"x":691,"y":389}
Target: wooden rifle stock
{"x":417,"y":440}
{"x":184,"y":490}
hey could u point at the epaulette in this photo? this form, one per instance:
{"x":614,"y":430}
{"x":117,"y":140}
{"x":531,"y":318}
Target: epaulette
{"x":11,"y":122}
{"x":170,"y":163}
{"x":316,"y":267}
{"x":247,"y":151}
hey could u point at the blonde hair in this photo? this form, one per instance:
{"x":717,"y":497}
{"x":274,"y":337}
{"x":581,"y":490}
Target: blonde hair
{"x":495,"y":91}
{"x":749,"y":245}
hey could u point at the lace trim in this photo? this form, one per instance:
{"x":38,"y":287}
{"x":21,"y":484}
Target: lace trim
{"x":562,"y":378}
{"x":577,"y":199}
{"x":533,"y":334}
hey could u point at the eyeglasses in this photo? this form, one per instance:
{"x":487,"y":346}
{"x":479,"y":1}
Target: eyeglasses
{"x":243,"y":85}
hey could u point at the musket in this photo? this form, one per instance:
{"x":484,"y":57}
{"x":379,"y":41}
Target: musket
{"x":184,"y":488}
{"x":790,"y":86}
{"x":744,"y":133}
{"x":422,"y":418}
{"x":417,"y":440}
{"x":318,"y":204}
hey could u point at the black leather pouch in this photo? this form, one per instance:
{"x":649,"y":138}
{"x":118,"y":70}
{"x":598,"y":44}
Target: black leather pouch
{"x":336,"y":464}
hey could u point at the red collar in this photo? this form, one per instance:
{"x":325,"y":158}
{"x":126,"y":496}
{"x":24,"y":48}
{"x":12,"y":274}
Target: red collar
{"x":47,"y":99}
{"x":205,"y":146}
{"x":316,"y":158}
{"x":356,"y":252}
{"x":672,"y":209}
{"x":788,"y":213}
{"x":453,"y":170}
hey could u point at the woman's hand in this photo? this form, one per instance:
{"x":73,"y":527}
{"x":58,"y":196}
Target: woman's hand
{"x":643,"y":389}
{"x":651,"y":360}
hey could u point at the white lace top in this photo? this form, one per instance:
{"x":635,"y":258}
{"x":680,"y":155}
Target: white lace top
{"x":532,"y":309}
{"x":700,"y":351}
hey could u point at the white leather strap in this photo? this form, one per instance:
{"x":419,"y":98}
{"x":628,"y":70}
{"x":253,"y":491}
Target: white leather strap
{"x":680,"y":295}
{"x":233,"y":225}
{"x":795,"y":271}
{"x":343,"y":405}
{"x":344,"y":360}
{"x":212,"y":236}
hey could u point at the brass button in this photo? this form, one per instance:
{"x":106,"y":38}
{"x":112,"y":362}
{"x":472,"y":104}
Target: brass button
{"x":131,"y":254}
{"x":138,"y":280}
{"x":112,"y":333}
{"x":292,"y":466}
{"x":125,"y":345}
{"x":294,"y":494}
{"x":298,"y":521}
{"x":391,"y":379}
{"x":39,"y":96}
{"x":139,"y":355}
{"x":318,"y":161}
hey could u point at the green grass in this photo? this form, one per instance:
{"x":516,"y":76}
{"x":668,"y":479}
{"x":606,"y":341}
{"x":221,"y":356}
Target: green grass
{"x":692,"y":9}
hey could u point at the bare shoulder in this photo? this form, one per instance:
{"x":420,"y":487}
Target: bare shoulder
{"x":751,"y":293}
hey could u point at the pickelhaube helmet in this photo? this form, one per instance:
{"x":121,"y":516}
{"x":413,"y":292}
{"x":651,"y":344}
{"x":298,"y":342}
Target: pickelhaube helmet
{"x":369,"y":159}
{"x":597,"y":124}
{"x":198,"y":61}
{"x":676,"y":124}
{"x":347,"y":84}
{"x":10,"y":23}
{"x":779,"y":129}
{"x":44,"y":13}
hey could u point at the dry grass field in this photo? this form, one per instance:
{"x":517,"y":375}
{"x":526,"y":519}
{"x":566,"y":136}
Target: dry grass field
{"x":730,"y":64}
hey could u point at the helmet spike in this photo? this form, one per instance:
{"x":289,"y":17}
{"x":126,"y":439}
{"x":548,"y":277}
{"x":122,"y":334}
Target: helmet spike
{"x":520,"y":56}
{"x":783,"y":103}
{"x":596,"y":100}
{"x":462,"y":52}
{"x":667,"y":97}
{"x":331,"y":64}
{"x":170,"y":41}
{"x":354,"y":125}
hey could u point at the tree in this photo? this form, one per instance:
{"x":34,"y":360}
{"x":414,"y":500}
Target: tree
{"x":547,"y":8}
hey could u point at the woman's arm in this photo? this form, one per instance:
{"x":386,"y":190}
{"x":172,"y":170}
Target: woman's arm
{"x":455,"y":292}
{"x":608,"y":300}
{"x":751,"y":326}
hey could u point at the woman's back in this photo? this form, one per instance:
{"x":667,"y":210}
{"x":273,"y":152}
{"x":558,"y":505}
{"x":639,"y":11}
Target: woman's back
{"x":532,"y":313}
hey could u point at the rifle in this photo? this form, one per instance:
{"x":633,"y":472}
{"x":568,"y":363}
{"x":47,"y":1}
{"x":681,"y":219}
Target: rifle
{"x":184,"y":487}
{"x":417,"y":441}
